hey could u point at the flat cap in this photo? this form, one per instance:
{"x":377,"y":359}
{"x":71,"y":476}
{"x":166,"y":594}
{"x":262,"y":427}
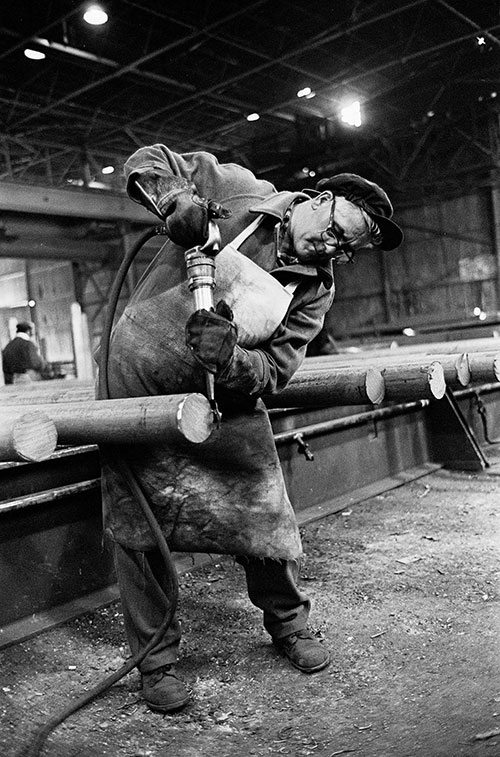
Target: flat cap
{"x":371,"y":198}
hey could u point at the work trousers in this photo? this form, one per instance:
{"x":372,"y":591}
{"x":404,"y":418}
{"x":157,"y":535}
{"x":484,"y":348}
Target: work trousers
{"x":143,"y":581}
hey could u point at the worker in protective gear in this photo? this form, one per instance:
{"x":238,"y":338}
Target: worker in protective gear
{"x":227,"y":495}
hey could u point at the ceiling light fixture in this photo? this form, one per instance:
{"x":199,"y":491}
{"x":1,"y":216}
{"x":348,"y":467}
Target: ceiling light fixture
{"x":351,"y":114}
{"x":95,"y":15}
{"x":34,"y":54}
{"x":306,"y":92}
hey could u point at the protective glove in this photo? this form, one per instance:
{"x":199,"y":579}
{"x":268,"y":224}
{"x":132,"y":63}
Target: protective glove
{"x":175,"y":200}
{"x":188,"y":217}
{"x":212,"y":337}
{"x":187,"y":221}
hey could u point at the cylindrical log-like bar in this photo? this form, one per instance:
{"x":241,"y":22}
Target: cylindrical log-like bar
{"x":133,"y":420}
{"x":26,"y":435}
{"x":354,"y":386}
{"x":459,"y":369}
{"x":455,"y":367}
{"x":313,"y":387}
{"x":405,"y":383}
{"x":42,"y":392}
{"x":357,"y":385}
{"x":484,"y":367}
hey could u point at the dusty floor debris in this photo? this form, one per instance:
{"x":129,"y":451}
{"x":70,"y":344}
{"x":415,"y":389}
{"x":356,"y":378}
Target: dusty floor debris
{"x":405,"y":590}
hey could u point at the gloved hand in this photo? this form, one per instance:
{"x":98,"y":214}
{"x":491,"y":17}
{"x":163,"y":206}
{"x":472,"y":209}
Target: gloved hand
{"x":212,"y":337}
{"x":187,"y":221}
{"x":175,"y":200}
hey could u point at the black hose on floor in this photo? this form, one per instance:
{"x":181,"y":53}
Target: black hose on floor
{"x":35,"y":746}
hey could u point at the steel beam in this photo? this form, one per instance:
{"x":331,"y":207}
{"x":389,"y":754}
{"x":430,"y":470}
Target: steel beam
{"x":75,"y":203}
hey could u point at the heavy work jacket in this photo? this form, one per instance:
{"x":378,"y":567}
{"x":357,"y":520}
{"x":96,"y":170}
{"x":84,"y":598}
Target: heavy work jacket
{"x":20,"y":356}
{"x":226,"y":495}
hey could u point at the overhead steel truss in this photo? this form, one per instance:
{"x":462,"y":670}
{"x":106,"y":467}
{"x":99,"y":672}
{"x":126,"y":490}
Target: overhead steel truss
{"x":190,"y":80}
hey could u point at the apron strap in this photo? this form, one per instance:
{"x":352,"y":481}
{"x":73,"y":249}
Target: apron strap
{"x":291,"y":286}
{"x":248,"y":231}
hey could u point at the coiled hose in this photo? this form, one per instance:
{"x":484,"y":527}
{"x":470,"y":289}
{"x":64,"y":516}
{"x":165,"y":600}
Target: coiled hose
{"x":34,"y":747}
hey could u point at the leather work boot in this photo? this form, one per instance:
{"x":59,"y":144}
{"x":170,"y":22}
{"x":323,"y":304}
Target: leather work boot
{"x":304,"y":651}
{"x":163,"y":691}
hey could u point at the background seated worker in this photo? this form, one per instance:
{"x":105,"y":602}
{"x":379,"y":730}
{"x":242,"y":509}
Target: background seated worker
{"x":21,"y":360}
{"x":275,"y":283}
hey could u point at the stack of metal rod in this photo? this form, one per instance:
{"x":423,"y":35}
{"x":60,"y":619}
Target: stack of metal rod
{"x":38,"y":417}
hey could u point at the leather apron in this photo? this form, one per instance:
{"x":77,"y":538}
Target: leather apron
{"x":226,"y":495}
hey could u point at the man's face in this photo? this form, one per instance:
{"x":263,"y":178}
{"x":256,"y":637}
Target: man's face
{"x":317,"y":238}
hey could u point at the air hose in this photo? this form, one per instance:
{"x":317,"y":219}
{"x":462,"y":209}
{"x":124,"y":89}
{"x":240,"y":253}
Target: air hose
{"x":33,"y":749}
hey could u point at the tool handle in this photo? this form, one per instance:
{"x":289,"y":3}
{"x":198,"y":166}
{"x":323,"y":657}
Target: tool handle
{"x":200,"y":266}
{"x":201,"y":278}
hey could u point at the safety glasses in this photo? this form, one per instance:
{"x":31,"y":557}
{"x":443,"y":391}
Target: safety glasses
{"x":330,"y":238}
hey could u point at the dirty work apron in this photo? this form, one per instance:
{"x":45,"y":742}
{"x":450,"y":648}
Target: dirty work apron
{"x":224,"y":496}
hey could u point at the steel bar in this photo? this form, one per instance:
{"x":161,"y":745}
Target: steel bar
{"x":455,"y":366}
{"x":26,"y":435}
{"x":403,"y":381}
{"x":347,"y":386}
{"x":355,"y":386}
{"x":41,"y":392}
{"x":131,"y":420}
{"x":460,"y":369}
{"x":414,"y":382}
{"x":484,"y":366}
{"x":310,"y":387}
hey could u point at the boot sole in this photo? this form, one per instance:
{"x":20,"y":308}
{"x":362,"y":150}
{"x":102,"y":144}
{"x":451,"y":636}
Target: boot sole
{"x":168,"y":707}
{"x":302,"y":669}
{"x":315,"y":669}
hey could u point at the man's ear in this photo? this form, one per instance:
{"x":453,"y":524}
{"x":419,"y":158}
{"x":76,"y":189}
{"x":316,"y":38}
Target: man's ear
{"x":323,"y":197}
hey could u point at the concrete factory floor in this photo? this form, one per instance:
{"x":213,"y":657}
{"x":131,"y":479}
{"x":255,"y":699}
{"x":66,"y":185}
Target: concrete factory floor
{"x":406,"y":595}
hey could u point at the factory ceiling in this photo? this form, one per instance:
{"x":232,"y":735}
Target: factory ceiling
{"x":425,"y":72}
